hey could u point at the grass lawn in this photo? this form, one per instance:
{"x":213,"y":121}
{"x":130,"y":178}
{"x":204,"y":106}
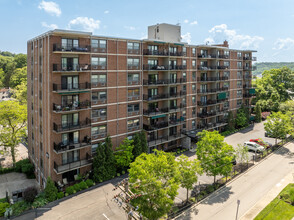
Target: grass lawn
{"x":277,"y":209}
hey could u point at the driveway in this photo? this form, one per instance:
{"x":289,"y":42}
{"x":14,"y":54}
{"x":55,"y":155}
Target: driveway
{"x":14,"y":181}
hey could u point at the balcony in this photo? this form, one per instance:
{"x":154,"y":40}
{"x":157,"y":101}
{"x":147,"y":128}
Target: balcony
{"x":211,"y":102}
{"x":133,"y":82}
{"x":161,"y":111}
{"x":98,"y":67}
{"x":250,"y":68}
{"x":201,"y":91}
{"x":133,"y":51}
{"x":209,"y":126}
{"x":99,"y":101}
{"x":155,"y":67}
{"x":212,"y":79}
{"x":133,"y":128}
{"x":250,"y":58}
{"x":98,"y":84}
{"x":205,"y":56}
{"x":133,"y":67}
{"x":59,"y":169}
{"x":152,"y":141}
{"x":156,"y":126}
{"x":223,"y":56}
{"x":248,"y":95}
{"x":210,"y":114}
{"x":213,"y":67}
{"x":164,"y":81}
{"x":71,"y":67}
{"x":72,"y":106}
{"x":71,"y":87}
{"x":177,"y":67}
{"x":61,"y":147}
{"x":99,"y":135}
{"x":71,"y":126}
{"x":163,"y":96}
{"x":163,"y":52}
{"x":67,"y":48}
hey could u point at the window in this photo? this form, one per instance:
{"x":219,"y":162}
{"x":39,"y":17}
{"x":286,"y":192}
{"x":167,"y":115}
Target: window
{"x":40,"y":77}
{"x":98,"y":78}
{"x":153,"y":62}
{"x":239,"y":65}
{"x":194,"y":76}
{"x":69,"y":64}
{"x":69,"y":120}
{"x":239,"y":102}
{"x":95,"y":43}
{"x":228,"y":94}
{"x":185,"y":76}
{"x":227,"y":53}
{"x":98,"y":130}
{"x":193,"y":87}
{"x":98,"y":62}
{"x":227,"y":74}
{"x":194,"y":64}
{"x":193,"y":111}
{"x":70,"y":157}
{"x":133,"y":107}
{"x":184,"y":63}
{"x":226,"y":63}
{"x":133,"y":78}
{"x":239,"y":75}
{"x":94,"y":148}
{"x":173,"y":51}
{"x":152,"y":48}
{"x":194,"y":51}
{"x":41,"y":128}
{"x":69,"y":82}
{"x":40,"y":94}
{"x":133,"y":63}
{"x":239,"y":84}
{"x":239,"y":93}
{"x":134,"y":123}
{"x":69,"y":44}
{"x":99,"y":96}
{"x":226,"y":85}
{"x":193,"y":100}
{"x":40,"y":111}
{"x":72,"y":137}
{"x":184,"y":51}
{"x":99,"y":113}
{"x":226,"y":105}
{"x":133,"y":48}
{"x":133,"y":92}
{"x":193,"y":124}
{"x":239,"y":55}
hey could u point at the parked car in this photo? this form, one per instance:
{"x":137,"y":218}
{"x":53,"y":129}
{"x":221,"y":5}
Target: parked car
{"x":254,"y":147}
{"x":262,"y":142}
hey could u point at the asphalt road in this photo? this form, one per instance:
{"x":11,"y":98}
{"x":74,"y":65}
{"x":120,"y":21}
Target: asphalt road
{"x":249,"y":188}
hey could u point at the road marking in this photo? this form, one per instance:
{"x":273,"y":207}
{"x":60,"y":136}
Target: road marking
{"x":105,"y":216}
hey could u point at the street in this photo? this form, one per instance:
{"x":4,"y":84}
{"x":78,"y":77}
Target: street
{"x":249,"y":188}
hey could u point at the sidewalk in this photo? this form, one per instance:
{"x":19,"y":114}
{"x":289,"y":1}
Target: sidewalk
{"x":272,"y":194}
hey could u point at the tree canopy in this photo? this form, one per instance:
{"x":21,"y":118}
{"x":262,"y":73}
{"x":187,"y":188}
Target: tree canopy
{"x":123,"y":154}
{"x":155,"y":178}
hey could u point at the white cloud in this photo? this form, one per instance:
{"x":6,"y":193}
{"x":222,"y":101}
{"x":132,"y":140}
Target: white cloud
{"x":50,"y":26}
{"x":186,"y":21}
{"x":284,"y":44}
{"x":194,"y":23}
{"x":106,"y":12}
{"x":131,"y":28}
{"x":219,"y":33}
{"x":187,"y":37}
{"x":84,"y":23}
{"x":50,"y":7}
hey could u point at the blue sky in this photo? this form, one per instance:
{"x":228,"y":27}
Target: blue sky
{"x":264,"y":25}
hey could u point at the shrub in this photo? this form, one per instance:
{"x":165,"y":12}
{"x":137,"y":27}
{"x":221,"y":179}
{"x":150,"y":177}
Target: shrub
{"x":70,"y":190}
{"x":29,"y":194}
{"x":66,"y":194}
{"x":60,"y":195}
{"x":20,"y":207}
{"x":123,"y":172}
{"x":3,"y":206}
{"x":291,"y":195}
{"x":192,"y":199}
{"x":118,"y":174}
{"x":40,"y":201}
{"x":7,"y":170}
{"x":89,"y":182}
{"x":76,"y":187}
{"x":28,"y":169}
{"x":210,"y":189}
{"x":83,"y":185}
{"x":50,"y":190}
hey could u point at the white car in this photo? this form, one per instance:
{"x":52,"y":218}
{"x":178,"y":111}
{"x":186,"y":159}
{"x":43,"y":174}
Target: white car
{"x":254,"y":146}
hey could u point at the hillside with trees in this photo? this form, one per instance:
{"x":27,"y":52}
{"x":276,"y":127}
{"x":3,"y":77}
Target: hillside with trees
{"x":271,"y":65}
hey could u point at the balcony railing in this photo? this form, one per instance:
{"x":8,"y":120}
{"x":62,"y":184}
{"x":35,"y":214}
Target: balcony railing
{"x":164,"y":96}
{"x":177,"y":67}
{"x":71,"y":126}
{"x":163,"y":81}
{"x":71,"y":67}
{"x":98,"y":84}
{"x":152,"y":141}
{"x":72,"y":165}
{"x":212,"y":79}
{"x":71,"y":86}
{"x":251,"y":68}
{"x":133,"y":82}
{"x":211,"y":102}
{"x":213,"y":67}
{"x":133,"y":51}
{"x":133,"y":67}
{"x":67,"y":48}
{"x":157,"y":126}
{"x":99,"y":135}
{"x":210,"y":114}
{"x":133,"y":128}
{"x":159,"y":111}
{"x":211,"y":125}
{"x":162,"y":53}
{"x":207,"y":56}
{"x":72,"y":106}
{"x":164,"y":67}
{"x":62,"y":147}
{"x":98,"y":67}
{"x":250,"y":58}
{"x":202,"y":91}
{"x":248,"y":95}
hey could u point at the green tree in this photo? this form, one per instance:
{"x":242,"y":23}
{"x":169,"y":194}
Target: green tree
{"x":18,"y":77}
{"x":241,"y":118}
{"x":189,"y":169}
{"x":140,"y":144}
{"x":287,"y":106}
{"x":155,"y":178}
{"x":13,"y":121}
{"x":231,"y":121}
{"x":50,"y":190}
{"x":278,"y":125}
{"x":20,"y":92}
{"x":123,"y":154}
{"x":214,"y":154}
{"x":20,"y":60}
{"x":104,"y":162}
{"x":257,"y":113}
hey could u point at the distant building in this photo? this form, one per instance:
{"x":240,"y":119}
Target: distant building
{"x":83,"y":87}
{"x":5,"y":94}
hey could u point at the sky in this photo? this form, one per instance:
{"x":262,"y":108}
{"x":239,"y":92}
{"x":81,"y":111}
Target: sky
{"x":263,"y":25}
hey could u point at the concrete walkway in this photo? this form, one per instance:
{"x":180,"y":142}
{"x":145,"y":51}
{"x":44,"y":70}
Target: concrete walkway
{"x":271,"y":195}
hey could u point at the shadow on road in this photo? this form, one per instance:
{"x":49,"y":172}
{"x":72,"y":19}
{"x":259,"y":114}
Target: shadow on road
{"x":249,"y":128}
{"x":187,"y":214}
{"x":219,"y":197}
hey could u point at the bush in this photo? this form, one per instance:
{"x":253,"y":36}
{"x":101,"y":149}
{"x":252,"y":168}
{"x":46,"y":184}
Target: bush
{"x":40,"y":201}
{"x":118,"y":174}
{"x":28,"y":169}
{"x":7,"y":170}
{"x":192,"y":199}
{"x":66,"y":194}
{"x":123,"y":172}
{"x":83,"y":185}
{"x":29,"y":194}
{"x":210,"y":189}
{"x":20,"y":164}
{"x":20,"y":207}
{"x":291,"y":195}
{"x":3,"y":206}
{"x":89,"y":182}
{"x":76,"y":187}
{"x":50,"y":190}
{"x":70,"y":190}
{"x":60,"y":195}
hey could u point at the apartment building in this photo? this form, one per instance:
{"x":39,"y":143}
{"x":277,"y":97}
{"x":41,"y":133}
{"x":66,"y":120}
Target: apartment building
{"x":83,"y":87}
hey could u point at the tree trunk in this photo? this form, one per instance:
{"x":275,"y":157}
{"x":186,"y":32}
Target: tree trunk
{"x":12,"y":150}
{"x":214,"y":179}
{"x":187,"y":195}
